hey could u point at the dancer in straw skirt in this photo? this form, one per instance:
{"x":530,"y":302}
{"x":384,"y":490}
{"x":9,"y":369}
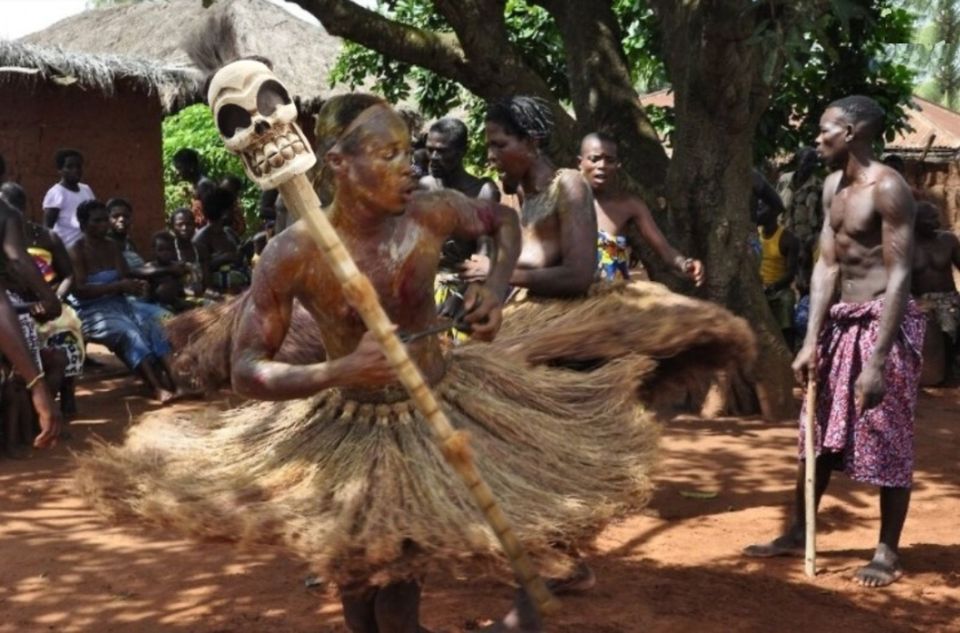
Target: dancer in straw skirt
{"x":341,"y":469}
{"x":559,"y":313}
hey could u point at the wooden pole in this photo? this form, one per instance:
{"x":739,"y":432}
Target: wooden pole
{"x":810,"y":476}
{"x":926,"y":148}
{"x":299,"y":197}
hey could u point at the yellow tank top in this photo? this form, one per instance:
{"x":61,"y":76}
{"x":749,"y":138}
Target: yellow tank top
{"x":773,"y":265}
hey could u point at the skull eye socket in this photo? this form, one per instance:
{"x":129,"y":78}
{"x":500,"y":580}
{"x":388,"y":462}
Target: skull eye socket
{"x":271,"y":95}
{"x":231,"y":118}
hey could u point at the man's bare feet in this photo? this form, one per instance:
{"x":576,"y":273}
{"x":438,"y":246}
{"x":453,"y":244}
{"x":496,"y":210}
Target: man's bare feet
{"x":786,"y":545}
{"x":523,"y":618}
{"x":582,"y":579}
{"x":883,"y":570}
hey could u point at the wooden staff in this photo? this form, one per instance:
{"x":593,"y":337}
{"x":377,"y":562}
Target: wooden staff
{"x":299,"y":197}
{"x":810,"y":475}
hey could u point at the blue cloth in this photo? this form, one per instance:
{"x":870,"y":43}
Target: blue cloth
{"x":156,"y":313}
{"x":130,"y":333}
{"x":801,"y":315}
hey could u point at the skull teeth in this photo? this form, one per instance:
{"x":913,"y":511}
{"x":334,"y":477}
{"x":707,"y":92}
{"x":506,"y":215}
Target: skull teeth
{"x":273,"y":154}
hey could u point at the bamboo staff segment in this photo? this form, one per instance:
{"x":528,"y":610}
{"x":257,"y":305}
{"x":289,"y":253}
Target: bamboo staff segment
{"x":299,"y":196}
{"x":810,"y":476}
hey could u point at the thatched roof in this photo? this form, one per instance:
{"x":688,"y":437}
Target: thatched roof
{"x":171,"y":84}
{"x":303,"y":54}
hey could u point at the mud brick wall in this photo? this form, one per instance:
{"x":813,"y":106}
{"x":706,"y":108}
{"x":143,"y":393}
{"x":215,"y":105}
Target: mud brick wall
{"x":119,"y":136}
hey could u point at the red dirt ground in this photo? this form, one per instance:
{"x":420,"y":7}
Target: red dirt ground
{"x":675,"y":569}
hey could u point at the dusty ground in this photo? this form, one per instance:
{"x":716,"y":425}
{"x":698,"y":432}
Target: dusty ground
{"x":675,"y":569}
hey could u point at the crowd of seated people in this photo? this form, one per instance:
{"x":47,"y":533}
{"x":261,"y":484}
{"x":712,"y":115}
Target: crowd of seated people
{"x":79,"y":277}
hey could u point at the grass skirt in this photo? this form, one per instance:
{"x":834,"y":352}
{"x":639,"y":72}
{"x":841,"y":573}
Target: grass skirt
{"x":683,"y":338}
{"x":361,"y":491}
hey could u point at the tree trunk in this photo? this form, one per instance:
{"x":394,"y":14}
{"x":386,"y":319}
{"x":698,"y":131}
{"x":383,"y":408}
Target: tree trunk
{"x":602,"y":91}
{"x":719,"y":97}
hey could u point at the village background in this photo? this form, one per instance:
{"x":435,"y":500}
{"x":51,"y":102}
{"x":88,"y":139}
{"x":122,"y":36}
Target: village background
{"x":114,"y":82}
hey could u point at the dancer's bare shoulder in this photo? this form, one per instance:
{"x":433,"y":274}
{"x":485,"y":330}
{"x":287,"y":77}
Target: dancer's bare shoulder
{"x":284,"y":259}
{"x":451,"y":213}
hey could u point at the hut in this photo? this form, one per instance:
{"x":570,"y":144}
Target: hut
{"x":303,"y":54}
{"x":108,"y":107}
{"x":930,"y":148}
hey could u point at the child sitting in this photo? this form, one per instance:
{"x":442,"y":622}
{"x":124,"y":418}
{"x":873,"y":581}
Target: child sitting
{"x":219,"y":246}
{"x":168,"y":274}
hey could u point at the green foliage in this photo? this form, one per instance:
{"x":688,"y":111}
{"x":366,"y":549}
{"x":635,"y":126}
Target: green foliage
{"x":642,"y":45}
{"x":193,"y":127}
{"x":834,"y":54}
{"x":530,"y":29}
{"x":836,"y":48}
{"x":663,"y":119}
{"x":934,"y":50}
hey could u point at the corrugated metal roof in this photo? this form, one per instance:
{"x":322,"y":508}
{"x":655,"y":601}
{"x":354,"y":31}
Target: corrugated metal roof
{"x":928,"y":119}
{"x":660,"y":98}
{"x":925,"y":120}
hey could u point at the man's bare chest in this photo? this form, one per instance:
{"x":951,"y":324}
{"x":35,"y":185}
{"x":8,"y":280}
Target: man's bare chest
{"x":853,"y":215}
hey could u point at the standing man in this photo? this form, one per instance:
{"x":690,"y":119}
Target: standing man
{"x":800,"y":191}
{"x":936,"y":255}
{"x":446,"y":145}
{"x":61,"y":201}
{"x":779,"y":257}
{"x":866,"y":347}
{"x":600,"y":166}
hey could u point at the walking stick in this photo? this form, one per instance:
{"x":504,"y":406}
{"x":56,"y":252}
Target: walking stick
{"x":810,"y":475}
{"x":244,"y":85}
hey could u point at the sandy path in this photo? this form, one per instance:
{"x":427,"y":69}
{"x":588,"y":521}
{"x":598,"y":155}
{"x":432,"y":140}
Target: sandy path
{"x":674,"y":569}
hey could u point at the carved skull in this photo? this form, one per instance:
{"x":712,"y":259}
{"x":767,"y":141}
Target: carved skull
{"x":258,"y":122}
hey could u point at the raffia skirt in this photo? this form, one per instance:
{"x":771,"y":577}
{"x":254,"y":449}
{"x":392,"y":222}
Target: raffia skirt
{"x":361,"y":491}
{"x":685,"y":339}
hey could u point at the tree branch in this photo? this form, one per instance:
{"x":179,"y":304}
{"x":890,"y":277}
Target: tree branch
{"x":438,"y":52}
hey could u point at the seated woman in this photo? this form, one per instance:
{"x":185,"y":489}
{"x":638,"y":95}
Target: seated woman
{"x":121,"y":215}
{"x":217,"y":244}
{"x":100,"y":296}
{"x":61,"y":339}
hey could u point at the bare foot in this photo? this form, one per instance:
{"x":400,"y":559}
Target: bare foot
{"x":165,"y":397}
{"x":523,"y":618}
{"x":582,"y":579}
{"x":883,"y":570}
{"x":785,"y":545}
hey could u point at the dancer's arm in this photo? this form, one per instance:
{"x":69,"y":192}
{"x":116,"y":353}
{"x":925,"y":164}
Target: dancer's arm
{"x":22,"y":266}
{"x":265,"y":320}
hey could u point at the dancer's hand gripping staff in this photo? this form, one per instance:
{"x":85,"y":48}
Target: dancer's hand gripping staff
{"x":236,"y":92}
